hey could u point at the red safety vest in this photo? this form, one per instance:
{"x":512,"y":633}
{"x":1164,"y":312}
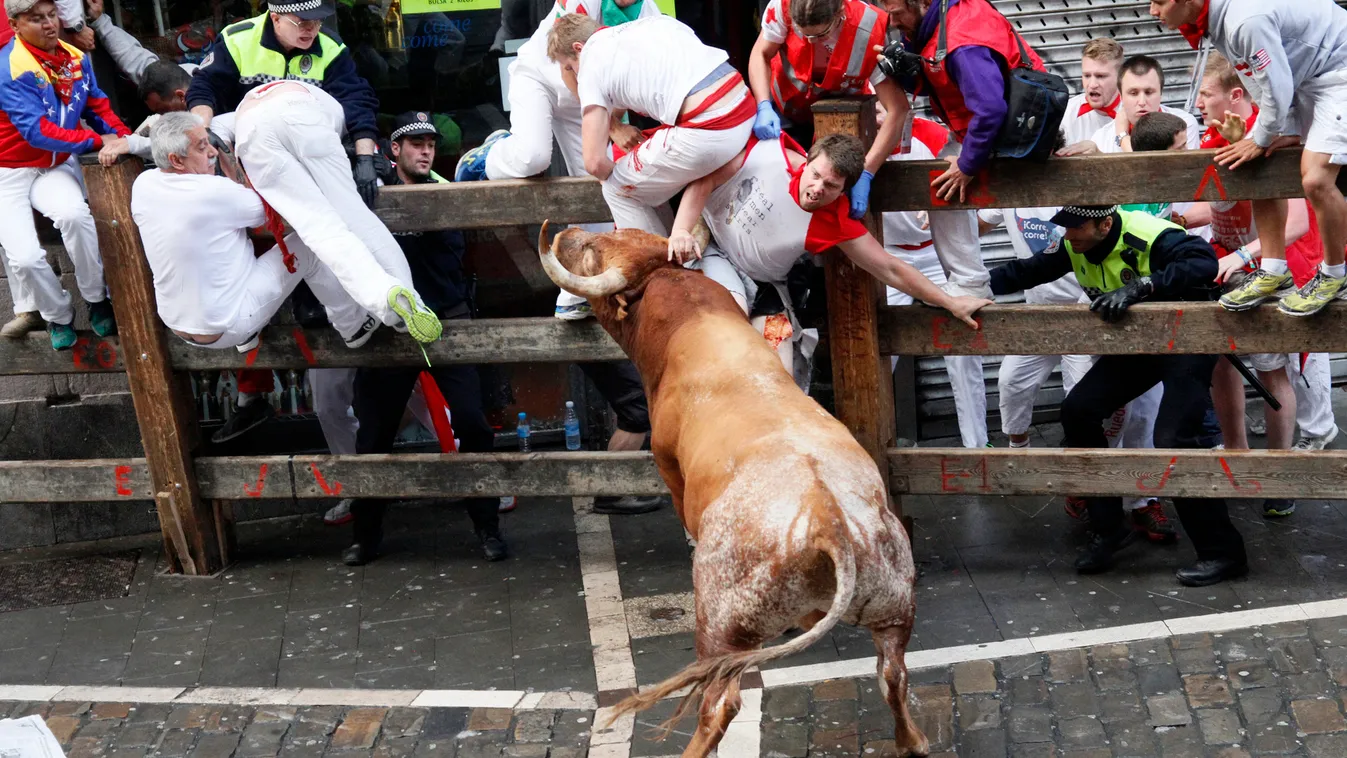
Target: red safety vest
{"x":849,"y":67}
{"x":971,"y":22}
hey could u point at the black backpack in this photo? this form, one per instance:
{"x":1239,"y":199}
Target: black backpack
{"x":1036,"y":100}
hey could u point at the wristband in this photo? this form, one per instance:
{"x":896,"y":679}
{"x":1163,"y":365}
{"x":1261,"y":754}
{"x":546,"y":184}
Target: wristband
{"x":1244,"y":255}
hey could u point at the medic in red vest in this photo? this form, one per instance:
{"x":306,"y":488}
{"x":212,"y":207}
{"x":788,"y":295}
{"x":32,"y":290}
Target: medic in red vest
{"x":809,"y":49}
{"x":967,"y":88}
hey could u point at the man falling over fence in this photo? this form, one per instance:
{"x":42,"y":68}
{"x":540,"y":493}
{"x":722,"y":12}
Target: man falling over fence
{"x":655,"y":66}
{"x":47,"y":87}
{"x":1122,"y":258}
{"x":1292,"y":57}
{"x":771,"y":203}
{"x":210,"y":289}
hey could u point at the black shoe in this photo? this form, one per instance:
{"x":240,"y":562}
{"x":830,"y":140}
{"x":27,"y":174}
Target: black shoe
{"x":1099,"y":555}
{"x":244,"y":420}
{"x":493,"y":546}
{"x":627,"y":505}
{"x":1205,"y":573}
{"x":360,"y":553}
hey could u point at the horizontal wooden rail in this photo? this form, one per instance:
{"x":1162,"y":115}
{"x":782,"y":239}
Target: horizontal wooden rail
{"x":1181,"y":176}
{"x":1161,"y":473}
{"x":1154,"y":328}
{"x":915,"y":471}
{"x":482,"y":205}
{"x":903,"y":330}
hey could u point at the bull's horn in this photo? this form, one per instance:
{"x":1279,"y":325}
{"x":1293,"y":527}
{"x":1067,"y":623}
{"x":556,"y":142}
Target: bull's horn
{"x":602,"y":285}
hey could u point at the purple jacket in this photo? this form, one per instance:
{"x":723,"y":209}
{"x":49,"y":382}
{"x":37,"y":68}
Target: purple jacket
{"x":978,"y":73}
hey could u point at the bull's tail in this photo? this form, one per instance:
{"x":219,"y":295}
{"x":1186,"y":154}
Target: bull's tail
{"x":723,"y":669}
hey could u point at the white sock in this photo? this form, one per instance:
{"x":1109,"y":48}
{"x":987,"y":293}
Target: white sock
{"x":247,"y":397}
{"x":1273,"y":266}
{"x":1014,"y":444}
{"x":1337,"y":272}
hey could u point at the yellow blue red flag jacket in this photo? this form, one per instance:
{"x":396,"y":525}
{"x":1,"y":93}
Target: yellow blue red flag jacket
{"x":37,"y":130}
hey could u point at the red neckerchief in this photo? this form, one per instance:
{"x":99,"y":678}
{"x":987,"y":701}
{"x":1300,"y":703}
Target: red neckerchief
{"x":1212,"y":138}
{"x":1195,"y":31}
{"x":1111,"y":109}
{"x":60,"y":67}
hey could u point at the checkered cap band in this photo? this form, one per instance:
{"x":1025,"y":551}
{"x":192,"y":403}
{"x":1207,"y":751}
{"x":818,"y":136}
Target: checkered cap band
{"x":306,"y":5}
{"x":1092,"y":211}
{"x":416,"y":127}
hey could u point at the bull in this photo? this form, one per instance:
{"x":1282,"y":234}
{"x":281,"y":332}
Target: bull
{"x":788,"y":511}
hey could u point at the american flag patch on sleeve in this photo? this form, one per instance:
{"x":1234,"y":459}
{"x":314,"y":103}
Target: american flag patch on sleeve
{"x":1260,"y":60}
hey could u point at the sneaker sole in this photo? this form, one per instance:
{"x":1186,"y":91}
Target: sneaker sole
{"x":1300,"y":314}
{"x":423,"y":325}
{"x":573,"y":316}
{"x":217,"y":439}
{"x":1278,"y":514}
{"x":1255,"y":303}
{"x":348,"y":518}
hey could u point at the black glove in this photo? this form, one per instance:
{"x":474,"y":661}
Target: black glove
{"x":899,"y":63}
{"x":366,"y":179}
{"x":1112,"y":306}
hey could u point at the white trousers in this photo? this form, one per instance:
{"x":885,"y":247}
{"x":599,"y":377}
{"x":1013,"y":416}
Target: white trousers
{"x":333,"y":392}
{"x":958,"y":245}
{"x":290,"y":145}
{"x":1022,"y":376}
{"x":643,"y":180}
{"x":269,"y":284}
{"x":58,"y":194}
{"x":965,"y":371}
{"x":540,"y":111}
{"x":20,"y":296}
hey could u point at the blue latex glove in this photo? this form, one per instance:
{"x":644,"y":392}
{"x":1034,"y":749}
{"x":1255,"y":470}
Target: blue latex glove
{"x":767,"y":125}
{"x":860,"y":195}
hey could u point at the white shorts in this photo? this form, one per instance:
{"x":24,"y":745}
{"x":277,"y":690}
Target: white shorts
{"x":1321,"y":109}
{"x":1274,"y":361}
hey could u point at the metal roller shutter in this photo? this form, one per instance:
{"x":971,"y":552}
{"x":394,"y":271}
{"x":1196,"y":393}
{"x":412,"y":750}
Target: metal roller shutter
{"x":1058,"y":30}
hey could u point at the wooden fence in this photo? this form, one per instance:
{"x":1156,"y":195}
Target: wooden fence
{"x":193,"y":495}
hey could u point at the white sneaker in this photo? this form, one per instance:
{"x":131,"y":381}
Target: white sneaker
{"x":340,"y":513}
{"x":1316,"y":443}
{"x":507,"y":504}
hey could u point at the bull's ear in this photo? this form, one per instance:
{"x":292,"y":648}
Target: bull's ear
{"x":591,"y":263}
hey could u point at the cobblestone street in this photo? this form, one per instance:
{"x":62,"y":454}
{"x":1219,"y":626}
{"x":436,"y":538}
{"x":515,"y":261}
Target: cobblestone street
{"x":1270,"y":690}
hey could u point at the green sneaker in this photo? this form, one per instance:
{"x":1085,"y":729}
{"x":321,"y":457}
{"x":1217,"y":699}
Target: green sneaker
{"x":422,"y":323}
{"x":1312,"y":298}
{"x":1278,"y":507}
{"x":63,"y":336}
{"x":102,"y":320}
{"x":1262,"y":285}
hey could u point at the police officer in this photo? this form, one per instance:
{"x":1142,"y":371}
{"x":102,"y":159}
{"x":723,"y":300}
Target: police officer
{"x":436,"y":260}
{"x":289,"y":42}
{"x":1122,"y":258}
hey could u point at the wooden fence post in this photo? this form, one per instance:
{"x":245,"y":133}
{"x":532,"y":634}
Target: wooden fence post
{"x":862,"y":384}
{"x":196,"y":535}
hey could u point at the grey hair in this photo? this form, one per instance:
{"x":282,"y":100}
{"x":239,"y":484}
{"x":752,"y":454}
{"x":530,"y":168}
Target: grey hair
{"x":168,"y":136}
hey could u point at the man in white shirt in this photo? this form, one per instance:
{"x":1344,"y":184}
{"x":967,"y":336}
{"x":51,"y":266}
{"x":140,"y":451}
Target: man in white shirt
{"x":907,"y":236}
{"x":209,"y":287}
{"x":1097,"y":104}
{"x":655,"y":66}
{"x":773,"y":202}
{"x":543,"y":108}
{"x":1293,"y":58}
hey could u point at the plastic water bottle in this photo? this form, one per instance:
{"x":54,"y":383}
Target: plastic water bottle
{"x":572,"y":427}
{"x":523,"y":431}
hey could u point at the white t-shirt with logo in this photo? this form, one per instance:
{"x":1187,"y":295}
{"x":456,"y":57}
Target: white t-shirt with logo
{"x":1033,"y":233}
{"x":648,"y":66}
{"x":776,"y":27}
{"x":758,"y":223}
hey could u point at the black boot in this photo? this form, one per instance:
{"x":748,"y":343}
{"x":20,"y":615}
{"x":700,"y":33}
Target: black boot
{"x":493,"y":545}
{"x":244,"y":420}
{"x":627,"y":505}
{"x":1098,"y":556}
{"x":1204,"y":573}
{"x":360,"y":553}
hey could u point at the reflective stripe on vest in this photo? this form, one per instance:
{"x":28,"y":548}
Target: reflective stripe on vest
{"x":258,"y":64}
{"x":1130,"y":257}
{"x":862,"y":29}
